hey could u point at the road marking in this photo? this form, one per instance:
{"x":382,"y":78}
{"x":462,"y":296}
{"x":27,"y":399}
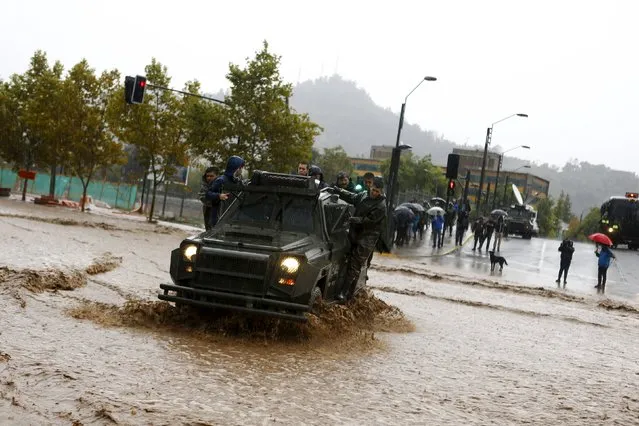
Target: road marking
{"x":541,"y":258}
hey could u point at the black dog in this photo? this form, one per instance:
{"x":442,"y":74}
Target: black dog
{"x":494,"y":260}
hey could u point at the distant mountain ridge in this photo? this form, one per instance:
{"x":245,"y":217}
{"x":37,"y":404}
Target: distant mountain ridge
{"x":351,"y":119}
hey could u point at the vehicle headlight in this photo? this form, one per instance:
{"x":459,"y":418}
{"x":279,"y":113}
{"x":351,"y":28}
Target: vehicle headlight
{"x":610,"y":229}
{"x":615,"y":226}
{"x":290,"y":265}
{"x":188,"y":251}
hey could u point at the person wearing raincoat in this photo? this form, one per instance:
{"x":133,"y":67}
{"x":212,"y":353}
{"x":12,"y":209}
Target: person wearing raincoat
{"x":208,"y":178}
{"x":316,"y":173}
{"x":367,"y":231}
{"x":438,"y":230}
{"x":566,"y":249}
{"x":605,"y":255}
{"x":219,"y":200}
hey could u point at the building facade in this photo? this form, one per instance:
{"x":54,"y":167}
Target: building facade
{"x":363,"y":165}
{"x":472,"y":159}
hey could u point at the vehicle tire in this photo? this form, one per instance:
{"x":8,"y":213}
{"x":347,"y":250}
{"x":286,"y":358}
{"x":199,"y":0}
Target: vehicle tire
{"x":316,"y":300}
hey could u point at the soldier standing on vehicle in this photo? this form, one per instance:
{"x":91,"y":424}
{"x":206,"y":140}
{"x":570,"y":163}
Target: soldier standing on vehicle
{"x":343,"y":182}
{"x":566,"y":248}
{"x":316,"y":173}
{"x":367,"y":231}
{"x":302,"y":168}
{"x":219,"y":200}
{"x":208,"y":178}
{"x":369,"y":178}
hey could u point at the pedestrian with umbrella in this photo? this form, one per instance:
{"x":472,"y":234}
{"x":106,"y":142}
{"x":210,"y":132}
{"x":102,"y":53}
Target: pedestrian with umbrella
{"x":605,"y":255}
{"x":438,"y":229}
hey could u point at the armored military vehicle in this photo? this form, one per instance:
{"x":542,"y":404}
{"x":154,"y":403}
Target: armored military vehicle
{"x":280,"y":248}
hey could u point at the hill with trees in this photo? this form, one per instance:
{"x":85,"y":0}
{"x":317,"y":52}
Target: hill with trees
{"x":352,"y":120}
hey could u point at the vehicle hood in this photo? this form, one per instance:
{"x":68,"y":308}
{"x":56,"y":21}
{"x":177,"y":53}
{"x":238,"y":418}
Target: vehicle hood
{"x":257,"y":238}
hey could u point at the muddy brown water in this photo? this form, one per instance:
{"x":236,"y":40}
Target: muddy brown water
{"x":84,"y":340}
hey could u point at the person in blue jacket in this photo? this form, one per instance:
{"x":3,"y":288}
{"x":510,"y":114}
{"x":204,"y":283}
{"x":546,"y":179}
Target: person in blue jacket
{"x":219,"y":200}
{"x":437,"y":230}
{"x":605,"y":255}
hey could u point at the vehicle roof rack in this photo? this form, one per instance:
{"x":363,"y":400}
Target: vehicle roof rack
{"x":281,"y":183}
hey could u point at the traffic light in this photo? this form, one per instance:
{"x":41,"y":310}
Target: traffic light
{"x":451,"y":187}
{"x":128,"y":88}
{"x":138,"y":89}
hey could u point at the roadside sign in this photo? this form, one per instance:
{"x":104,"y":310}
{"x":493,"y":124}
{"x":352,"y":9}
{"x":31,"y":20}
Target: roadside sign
{"x":27,"y":174}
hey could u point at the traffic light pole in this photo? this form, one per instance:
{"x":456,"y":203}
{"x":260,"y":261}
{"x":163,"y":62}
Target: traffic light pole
{"x":154,"y":86}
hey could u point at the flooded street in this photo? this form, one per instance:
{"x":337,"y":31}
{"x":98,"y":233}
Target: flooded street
{"x":84,"y":340}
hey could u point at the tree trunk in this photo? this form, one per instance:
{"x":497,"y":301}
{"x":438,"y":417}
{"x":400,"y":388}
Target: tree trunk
{"x":84,"y":194}
{"x":24,"y":190}
{"x":141,"y":210}
{"x":52,"y":180}
{"x":155,"y":187}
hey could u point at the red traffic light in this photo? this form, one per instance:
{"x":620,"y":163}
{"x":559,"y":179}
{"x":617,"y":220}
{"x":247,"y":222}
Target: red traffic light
{"x":138,"y":90}
{"x":451,"y":184}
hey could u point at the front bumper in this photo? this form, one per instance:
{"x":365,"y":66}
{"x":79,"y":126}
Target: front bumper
{"x":236,"y":302}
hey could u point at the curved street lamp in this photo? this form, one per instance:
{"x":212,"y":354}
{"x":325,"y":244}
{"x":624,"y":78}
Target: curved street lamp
{"x":501,"y":159}
{"x":394,"y":166}
{"x":489,"y":134}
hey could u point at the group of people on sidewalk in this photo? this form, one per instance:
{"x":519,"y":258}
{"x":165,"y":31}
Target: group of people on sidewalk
{"x":484,"y":228}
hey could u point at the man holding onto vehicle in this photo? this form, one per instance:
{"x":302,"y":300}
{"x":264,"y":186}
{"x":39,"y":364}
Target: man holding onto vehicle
{"x":208,"y":178}
{"x":369,"y":178}
{"x":343,"y":182}
{"x":219,"y":200}
{"x":368,"y":224}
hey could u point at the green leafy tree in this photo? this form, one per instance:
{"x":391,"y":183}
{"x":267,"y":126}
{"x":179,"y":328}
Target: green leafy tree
{"x":332,"y":161}
{"x":92,"y":145}
{"x":257,"y":122}
{"x":580,"y":229}
{"x":417,"y":174}
{"x":156,"y":127}
{"x":46,"y":113}
{"x":21,"y":142}
{"x":548,"y":222}
{"x":567,"y":212}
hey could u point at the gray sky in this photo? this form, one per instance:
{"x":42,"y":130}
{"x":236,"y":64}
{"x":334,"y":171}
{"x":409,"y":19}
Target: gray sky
{"x":571,"y":65}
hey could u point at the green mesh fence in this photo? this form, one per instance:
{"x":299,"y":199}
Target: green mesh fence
{"x":118,"y":195}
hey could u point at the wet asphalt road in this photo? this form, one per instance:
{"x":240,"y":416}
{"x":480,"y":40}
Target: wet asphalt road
{"x":478,"y":354}
{"x":532,"y":262}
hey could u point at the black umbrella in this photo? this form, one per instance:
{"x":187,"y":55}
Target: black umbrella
{"x":416,"y":208}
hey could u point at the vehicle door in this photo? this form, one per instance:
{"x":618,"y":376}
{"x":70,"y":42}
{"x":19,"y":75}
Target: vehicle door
{"x":336,"y":214}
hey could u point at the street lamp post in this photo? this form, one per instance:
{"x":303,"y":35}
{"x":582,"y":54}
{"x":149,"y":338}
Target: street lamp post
{"x":489,"y":133}
{"x":501,"y":159}
{"x":394,"y":166}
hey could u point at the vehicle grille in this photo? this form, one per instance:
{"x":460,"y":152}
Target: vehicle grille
{"x":235,"y":274}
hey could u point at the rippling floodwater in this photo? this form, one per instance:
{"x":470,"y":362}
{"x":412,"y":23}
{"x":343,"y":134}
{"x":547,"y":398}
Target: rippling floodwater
{"x":104,"y":351}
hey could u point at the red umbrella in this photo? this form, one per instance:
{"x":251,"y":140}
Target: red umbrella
{"x":600,"y":238}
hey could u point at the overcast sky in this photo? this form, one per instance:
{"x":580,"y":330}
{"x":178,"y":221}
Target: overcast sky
{"x":572,"y":66}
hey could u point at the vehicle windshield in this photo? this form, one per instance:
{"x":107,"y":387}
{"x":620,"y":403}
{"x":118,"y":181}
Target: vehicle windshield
{"x":284,"y":212}
{"x":622,"y":210}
